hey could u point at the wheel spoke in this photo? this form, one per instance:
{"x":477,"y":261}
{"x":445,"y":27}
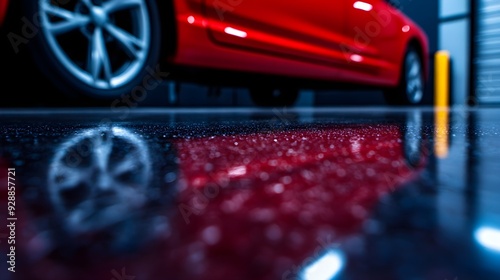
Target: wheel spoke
{"x":412,"y":84}
{"x":104,"y":146}
{"x":99,"y":56}
{"x":118,"y":5}
{"x":131,"y":45}
{"x":95,"y":65}
{"x":414,"y":87}
{"x":129,"y":163}
{"x":71,"y":21}
{"x":71,"y":177}
{"x":105,"y":59}
{"x":67,"y":26}
{"x":57,"y":11}
{"x":88,"y":3}
{"x":415,"y":69}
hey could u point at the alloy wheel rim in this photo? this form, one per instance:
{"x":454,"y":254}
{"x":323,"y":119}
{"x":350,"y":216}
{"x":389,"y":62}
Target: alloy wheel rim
{"x":414,"y":78}
{"x":116,"y":48}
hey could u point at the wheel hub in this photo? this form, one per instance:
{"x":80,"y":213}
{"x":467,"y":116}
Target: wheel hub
{"x":98,"y":16}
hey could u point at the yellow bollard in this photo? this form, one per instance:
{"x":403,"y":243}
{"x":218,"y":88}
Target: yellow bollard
{"x":442,"y":79}
{"x":441,"y":103}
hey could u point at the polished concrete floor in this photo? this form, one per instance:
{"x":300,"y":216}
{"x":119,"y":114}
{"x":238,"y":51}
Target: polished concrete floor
{"x":324,"y":193}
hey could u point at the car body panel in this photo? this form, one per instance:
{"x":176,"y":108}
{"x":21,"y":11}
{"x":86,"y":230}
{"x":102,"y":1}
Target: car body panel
{"x":286,"y":49}
{"x":281,"y":28}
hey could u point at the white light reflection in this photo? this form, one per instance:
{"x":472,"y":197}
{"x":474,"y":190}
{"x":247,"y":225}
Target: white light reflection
{"x":488,"y":237}
{"x":235,"y":32}
{"x":237,"y":171}
{"x":325,"y":267}
{"x":356,"y":58}
{"x":360,"y":5}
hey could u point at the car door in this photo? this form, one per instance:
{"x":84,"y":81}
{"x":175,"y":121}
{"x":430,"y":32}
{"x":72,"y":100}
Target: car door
{"x":309,"y":31}
{"x":374,"y":30}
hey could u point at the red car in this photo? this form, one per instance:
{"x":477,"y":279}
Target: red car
{"x":111,"y":48}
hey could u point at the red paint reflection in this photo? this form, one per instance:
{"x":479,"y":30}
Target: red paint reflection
{"x":252,"y":206}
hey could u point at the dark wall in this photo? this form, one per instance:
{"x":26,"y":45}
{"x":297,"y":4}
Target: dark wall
{"x":425,"y":13}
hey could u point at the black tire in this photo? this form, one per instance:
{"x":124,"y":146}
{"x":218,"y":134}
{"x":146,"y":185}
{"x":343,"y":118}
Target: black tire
{"x":411,"y":88}
{"x":61,"y":61}
{"x":269,"y":97}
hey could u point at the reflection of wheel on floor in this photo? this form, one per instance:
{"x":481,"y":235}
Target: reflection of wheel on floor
{"x":94,"y":48}
{"x":410,"y":90}
{"x":269,"y":97}
{"x":412,"y":138}
{"x":99,"y":178}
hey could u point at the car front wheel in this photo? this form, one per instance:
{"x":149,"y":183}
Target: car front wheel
{"x":97,"y":49}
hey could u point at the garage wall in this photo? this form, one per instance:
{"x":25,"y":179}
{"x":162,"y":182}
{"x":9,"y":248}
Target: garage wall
{"x":487,"y":53}
{"x":454,"y":36}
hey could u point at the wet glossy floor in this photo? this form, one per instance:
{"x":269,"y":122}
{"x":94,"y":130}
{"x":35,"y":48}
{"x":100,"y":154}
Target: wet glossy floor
{"x":243,"y":194}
